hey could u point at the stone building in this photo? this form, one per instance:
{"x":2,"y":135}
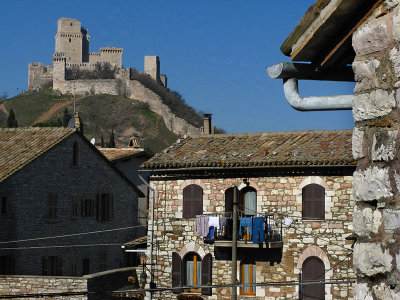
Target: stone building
{"x":55,"y":186}
{"x":332,"y":35}
{"x":295,"y":215}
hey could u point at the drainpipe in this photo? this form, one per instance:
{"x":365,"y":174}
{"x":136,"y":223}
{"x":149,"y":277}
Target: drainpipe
{"x":151,"y":232}
{"x":291,"y":72}
{"x":290,"y":88}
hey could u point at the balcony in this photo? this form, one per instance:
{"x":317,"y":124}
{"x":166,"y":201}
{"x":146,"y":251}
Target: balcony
{"x":247,"y":228}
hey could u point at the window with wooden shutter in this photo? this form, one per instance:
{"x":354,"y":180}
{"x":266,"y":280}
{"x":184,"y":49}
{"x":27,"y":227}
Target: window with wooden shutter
{"x":192,"y":201}
{"x":85,"y":266}
{"x":248,"y":201}
{"x":45,"y":265}
{"x":229,"y":200}
{"x":206,"y":274}
{"x":313,"y":269}
{"x":248,"y":276}
{"x":74,"y":207}
{"x":7,"y":265}
{"x":52,"y":265}
{"x":176,"y":271}
{"x":105,"y":207}
{"x":313,"y":202}
{"x":192,"y":271}
{"x":53,"y":206}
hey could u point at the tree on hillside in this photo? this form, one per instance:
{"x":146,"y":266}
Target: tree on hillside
{"x":66,"y":117}
{"x":102,"y":144}
{"x":3,"y":97}
{"x":11,"y":120}
{"x":111,"y":144}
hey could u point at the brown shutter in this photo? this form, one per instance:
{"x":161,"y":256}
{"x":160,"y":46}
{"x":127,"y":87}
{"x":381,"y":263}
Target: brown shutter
{"x":197,"y":200}
{"x":45,"y":265}
{"x":187,"y":203}
{"x":110,"y":207}
{"x":59,"y":266}
{"x":313,"y":269}
{"x":229,"y":200}
{"x":206,"y":274}
{"x":176,"y":271}
{"x":83,"y":211}
{"x":313,"y":202}
{"x":99,"y":207}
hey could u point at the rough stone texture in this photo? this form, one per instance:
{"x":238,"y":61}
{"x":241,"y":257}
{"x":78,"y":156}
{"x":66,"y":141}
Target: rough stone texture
{"x":366,"y":76}
{"x":104,"y":281}
{"x":362,"y":292}
{"x":372,"y":184}
{"x":370,"y":259}
{"x":383,"y":292}
{"x":368,"y":106}
{"x":384,"y":145}
{"x":391,"y":220}
{"x":16,"y":285}
{"x":275,"y":195}
{"x":28,"y":210}
{"x":366,"y":221}
{"x":357,"y":143}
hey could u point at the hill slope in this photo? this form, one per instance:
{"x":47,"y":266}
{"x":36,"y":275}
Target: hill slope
{"x":99,"y":113}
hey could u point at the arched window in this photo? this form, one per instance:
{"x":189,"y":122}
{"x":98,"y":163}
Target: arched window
{"x":192,"y":201}
{"x":192,"y":271}
{"x":75,"y":154}
{"x":248,"y":202}
{"x":313,"y":202}
{"x":313,"y":269}
{"x":248,"y":276}
{"x":229,"y":199}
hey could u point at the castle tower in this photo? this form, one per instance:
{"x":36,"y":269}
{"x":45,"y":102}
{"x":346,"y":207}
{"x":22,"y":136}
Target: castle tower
{"x":152,"y":67}
{"x":72,"y":40}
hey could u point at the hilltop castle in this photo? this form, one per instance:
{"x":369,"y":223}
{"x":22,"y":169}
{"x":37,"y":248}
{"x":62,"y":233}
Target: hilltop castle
{"x":72,"y":50}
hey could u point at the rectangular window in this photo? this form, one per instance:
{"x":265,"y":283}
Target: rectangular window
{"x":248,"y":276}
{"x":52,"y":265}
{"x":52,"y":204}
{"x":7,"y":265}
{"x":85,"y":266}
{"x":103,"y":261}
{"x":3,"y":211}
{"x":87,"y":207}
{"x":105,"y":207}
{"x":74,"y":207}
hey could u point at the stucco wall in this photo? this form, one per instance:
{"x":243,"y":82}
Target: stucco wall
{"x":277,"y":195}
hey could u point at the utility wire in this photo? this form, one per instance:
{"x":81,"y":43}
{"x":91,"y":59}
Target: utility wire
{"x":266,"y":284}
{"x":59,"y":246}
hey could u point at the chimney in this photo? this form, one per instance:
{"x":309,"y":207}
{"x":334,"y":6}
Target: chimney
{"x":78,"y":124}
{"x":207,"y":124}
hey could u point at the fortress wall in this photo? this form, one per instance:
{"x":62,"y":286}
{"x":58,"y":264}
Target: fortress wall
{"x":39,"y":76}
{"x":135,"y":91}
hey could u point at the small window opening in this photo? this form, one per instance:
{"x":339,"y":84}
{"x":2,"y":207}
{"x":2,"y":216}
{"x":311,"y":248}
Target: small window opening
{"x":70,"y":40}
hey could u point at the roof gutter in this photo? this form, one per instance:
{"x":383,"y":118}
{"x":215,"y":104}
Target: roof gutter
{"x":290,"y":73}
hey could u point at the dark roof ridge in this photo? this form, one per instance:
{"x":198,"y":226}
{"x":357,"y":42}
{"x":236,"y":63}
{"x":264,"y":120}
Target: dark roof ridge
{"x":268,"y":133}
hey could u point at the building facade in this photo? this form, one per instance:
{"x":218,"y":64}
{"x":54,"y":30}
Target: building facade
{"x":65,"y":209}
{"x":294,"y":215}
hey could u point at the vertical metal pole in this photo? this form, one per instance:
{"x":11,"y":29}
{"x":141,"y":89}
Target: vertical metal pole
{"x":234,"y":241}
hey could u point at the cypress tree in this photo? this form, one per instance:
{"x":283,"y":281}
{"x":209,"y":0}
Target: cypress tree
{"x":66,"y":117}
{"x":11,"y":120}
{"x":102,"y":144}
{"x":111,"y":144}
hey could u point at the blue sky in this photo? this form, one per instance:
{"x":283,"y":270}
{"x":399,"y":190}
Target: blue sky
{"x":214,"y":53}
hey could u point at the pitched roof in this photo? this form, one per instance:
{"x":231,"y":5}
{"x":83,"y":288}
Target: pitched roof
{"x":114,"y":154}
{"x":255,"y":150}
{"x":20,"y":146}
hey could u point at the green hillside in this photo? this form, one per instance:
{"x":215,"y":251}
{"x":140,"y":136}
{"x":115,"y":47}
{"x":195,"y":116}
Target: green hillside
{"x":99,"y":113}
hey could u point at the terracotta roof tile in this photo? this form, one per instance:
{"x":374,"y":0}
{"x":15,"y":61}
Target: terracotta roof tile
{"x":20,"y":146}
{"x":264,"y":149}
{"x":119,"y":153}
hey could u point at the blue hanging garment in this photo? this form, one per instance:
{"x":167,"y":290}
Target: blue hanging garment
{"x":258,"y":230}
{"x":245,"y":222}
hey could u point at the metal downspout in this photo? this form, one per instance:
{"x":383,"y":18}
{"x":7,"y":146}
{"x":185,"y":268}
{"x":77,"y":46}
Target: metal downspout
{"x":316,"y":103}
{"x":151,"y":232}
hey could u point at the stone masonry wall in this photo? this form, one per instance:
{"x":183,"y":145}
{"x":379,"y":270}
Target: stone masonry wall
{"x":375,"y":146}
{"x":17,"y":285}
{"x":280,"y":196}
